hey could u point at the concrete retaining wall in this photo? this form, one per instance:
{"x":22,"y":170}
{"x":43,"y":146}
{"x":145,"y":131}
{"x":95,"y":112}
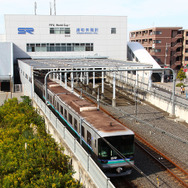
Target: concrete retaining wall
{"x":80,"y":174}
{"x":160,"y":101}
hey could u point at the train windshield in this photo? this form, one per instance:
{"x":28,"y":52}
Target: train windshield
{"x":124,"y":144}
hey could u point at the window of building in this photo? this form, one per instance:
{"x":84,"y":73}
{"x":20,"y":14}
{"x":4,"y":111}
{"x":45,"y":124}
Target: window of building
{"x":59,"y":30}
{"x":186,"y":50}
{"x":186,"y":41}
{"x":157,"y":32}
{"x":186,"y":58}
{"x":156,"y":41}
{"x":156,"y":50}
{"x":186,"y":33}
{"x":113,"y":30}
{"x":60,"y":47}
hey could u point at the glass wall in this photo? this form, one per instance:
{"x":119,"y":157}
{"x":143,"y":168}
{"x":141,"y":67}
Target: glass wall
{"x":60,"y":30}
{"x":59,"y":47}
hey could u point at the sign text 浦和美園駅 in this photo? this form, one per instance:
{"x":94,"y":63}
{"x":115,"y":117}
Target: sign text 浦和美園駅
{"x":87,"y":30}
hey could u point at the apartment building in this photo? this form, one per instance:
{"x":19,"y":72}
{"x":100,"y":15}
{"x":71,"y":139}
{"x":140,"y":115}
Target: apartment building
{"x":165,"y":44}
{"x":185,"y":49}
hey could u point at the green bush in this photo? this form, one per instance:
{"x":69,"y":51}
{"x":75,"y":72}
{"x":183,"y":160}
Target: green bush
{"x":29,"y":157}
{"x":180,"y":84}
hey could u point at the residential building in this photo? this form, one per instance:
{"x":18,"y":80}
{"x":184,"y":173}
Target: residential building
{"x":165,"y":44}
{"x":185,"y":49}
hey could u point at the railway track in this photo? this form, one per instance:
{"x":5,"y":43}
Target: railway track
{"x":174,"y":169}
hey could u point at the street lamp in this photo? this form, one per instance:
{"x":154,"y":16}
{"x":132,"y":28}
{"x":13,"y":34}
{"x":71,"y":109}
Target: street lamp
{"x":10,"y":85}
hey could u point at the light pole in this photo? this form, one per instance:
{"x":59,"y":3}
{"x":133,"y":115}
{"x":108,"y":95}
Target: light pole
{"x":10,"y":85}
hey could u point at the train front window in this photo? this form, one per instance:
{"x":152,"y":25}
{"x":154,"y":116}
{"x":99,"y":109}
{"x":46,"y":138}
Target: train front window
{"x":124,"y":144}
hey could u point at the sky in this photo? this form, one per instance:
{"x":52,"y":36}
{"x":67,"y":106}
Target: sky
{"x":141,"y":14}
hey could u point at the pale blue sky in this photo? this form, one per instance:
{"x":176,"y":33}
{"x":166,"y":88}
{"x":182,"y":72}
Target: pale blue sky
{"x":140,"y":13}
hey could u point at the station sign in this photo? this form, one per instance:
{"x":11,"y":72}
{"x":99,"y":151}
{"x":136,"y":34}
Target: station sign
{"x":24,"y":30}
{"x":87,"y":30}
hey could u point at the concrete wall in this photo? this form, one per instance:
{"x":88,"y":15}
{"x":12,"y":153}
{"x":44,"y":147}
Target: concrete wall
{"x":105,"y":44}
{"x":6,"y":61}
{"x":80,"y":174}
{"x":153,"y":96}
{"x":26,"y":78}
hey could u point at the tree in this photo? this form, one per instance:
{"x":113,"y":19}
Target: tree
{"x":181,"y":75}
{"x":29,"y":157}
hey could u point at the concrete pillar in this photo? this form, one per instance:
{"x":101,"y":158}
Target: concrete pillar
{"x":102,"y":89}
{"x":126,"y":75}
{"x":76,"y":78}
{"x":93,"y":92}
{"x":93,"y":78}
{"x":162,"y":77}
{"x":81,"y":76}
{"x":114,"y":90}
{"x":72,"y":82}
{"x":50,"y":75}
{"x":143,"y":79}
{"x":60,"y":78}
{"x":87,"y":78}
{"x":150,"y":81}
{"x":136,"y":78}
{"x":65,"y":79}
{"x":132,"y":77}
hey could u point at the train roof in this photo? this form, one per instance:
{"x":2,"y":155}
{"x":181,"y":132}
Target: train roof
{"x":101,"y":122}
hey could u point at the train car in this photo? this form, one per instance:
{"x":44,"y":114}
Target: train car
{"x":109,"y":143}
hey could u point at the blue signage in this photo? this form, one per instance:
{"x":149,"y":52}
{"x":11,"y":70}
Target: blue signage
{"x":24,"y":30}
{"x":87,"y":30}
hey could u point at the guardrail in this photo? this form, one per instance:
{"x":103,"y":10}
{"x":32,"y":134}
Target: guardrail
{"x":98,"y":177}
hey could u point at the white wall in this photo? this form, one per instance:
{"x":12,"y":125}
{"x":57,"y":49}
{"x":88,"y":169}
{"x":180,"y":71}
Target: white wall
{"x":105,"y":44}
{"x":26,"y":78}
{"x":6,"y":60}
{"x":2,"y":38}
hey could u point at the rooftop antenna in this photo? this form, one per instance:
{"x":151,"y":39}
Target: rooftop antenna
{"x":50,"y":8}
{"x":54,"y":7}
{"x":35,"y":8}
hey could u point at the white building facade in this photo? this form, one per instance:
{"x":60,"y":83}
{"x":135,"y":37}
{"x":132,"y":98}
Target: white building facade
{"x":39,"y":36}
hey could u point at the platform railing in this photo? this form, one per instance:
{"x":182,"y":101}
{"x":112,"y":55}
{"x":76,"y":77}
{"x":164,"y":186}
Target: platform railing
{"x":87,"y":162}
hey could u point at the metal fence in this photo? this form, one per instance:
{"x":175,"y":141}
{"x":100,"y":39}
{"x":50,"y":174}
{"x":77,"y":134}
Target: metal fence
{"x":88,"y":164}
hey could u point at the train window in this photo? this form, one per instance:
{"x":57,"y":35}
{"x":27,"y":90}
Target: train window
{"x":89,"y":138}
{"x":61,"y":110}
{"x":57,"y":106}
{"x":75,"y":125}
{"x":83,"y":131}
{"x":70,"y":118}
{"x":65,"y":114}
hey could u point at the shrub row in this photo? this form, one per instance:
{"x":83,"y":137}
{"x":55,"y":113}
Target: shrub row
{"x":29,"y":157}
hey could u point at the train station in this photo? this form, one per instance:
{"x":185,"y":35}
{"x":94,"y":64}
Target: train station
{"x":48,"y":57}
{"x":51,"y":37}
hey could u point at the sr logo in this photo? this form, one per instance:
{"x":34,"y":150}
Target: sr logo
{"x":24,"y":30}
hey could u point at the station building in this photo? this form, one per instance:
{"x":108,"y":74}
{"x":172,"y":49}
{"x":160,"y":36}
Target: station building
{"x":53,"y":37}
{"x":38,"y":36}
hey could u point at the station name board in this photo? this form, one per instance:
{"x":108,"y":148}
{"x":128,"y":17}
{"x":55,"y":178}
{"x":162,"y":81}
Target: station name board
{"x":87,"y":30}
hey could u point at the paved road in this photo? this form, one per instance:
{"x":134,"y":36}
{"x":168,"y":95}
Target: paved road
{"x":7,"y":95}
